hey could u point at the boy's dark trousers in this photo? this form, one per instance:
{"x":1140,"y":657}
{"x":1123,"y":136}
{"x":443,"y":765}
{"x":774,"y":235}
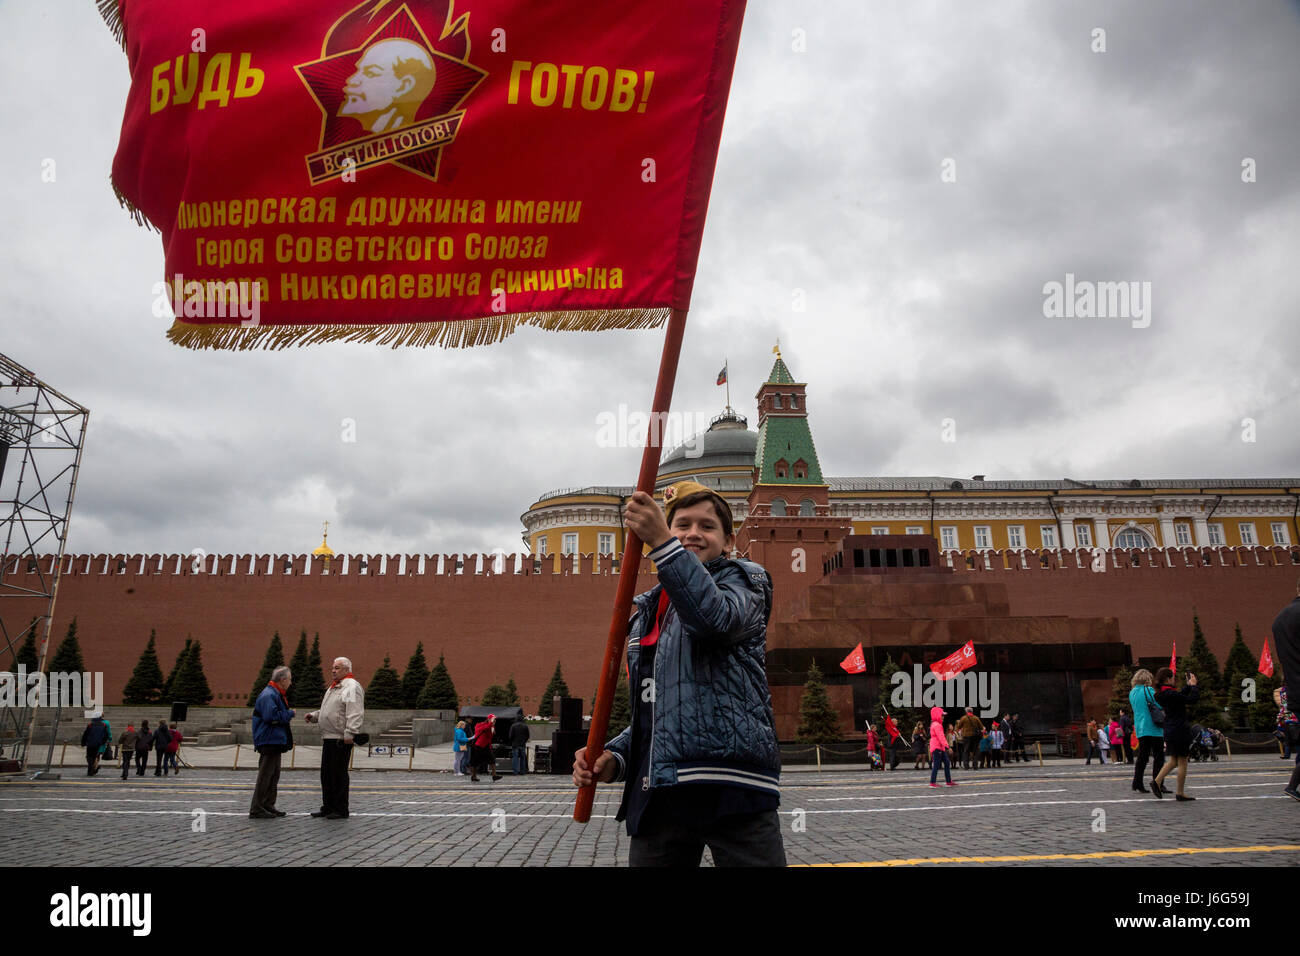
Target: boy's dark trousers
{"x":126,"y":762}
{"x":997,"y":757}
{"x":141,"y":762}
{"x":741,"y":839}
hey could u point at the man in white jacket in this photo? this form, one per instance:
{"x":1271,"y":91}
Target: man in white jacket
{"x":340,"y":717}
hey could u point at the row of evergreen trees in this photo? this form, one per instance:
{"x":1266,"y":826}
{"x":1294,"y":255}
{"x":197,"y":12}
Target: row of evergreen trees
{"x":1239,"y":687}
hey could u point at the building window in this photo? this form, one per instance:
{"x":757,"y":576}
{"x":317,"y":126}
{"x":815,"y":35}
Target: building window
{"x":807,"y":508}
{"x":880,"y":529}
{"x":541,"y":544}
{"x":915,"y":529}
{"x":569,"y":544}
{"x":776,"y":400}
{"x":606,"y":543}
{"x":1182,"y":534}
{"x":948,"y":538}
{"x":1280,"y":533}
{"x":1083,"y":535}
{"x":1214,"y":532}
{"x":778,"y":507}
{"x":801,"y":469}
{"x":794,"y":401}
{"x":1015,"y":536}
{"x":1247,"y":529}
{"x":781,"y":468}
{"x":983,"y":536}
{"x":1132,"y":538}
{"x":1048,"y":535}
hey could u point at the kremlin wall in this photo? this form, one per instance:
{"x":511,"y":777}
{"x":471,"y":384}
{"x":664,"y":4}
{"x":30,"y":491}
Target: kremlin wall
{"x":1058,"y":582}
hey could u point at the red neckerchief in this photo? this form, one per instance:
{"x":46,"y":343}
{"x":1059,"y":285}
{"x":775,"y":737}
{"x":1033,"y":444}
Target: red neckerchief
{"x":281,"y":690}
{"x":342,"y":679}
{"x":652,"y":637}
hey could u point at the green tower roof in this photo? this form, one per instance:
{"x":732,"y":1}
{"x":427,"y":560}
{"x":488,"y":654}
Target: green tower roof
{"x":780,"y":374}
{"x":786,"y":438}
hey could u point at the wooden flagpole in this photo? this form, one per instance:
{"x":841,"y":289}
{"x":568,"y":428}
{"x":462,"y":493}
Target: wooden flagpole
{"x":617,"y":638}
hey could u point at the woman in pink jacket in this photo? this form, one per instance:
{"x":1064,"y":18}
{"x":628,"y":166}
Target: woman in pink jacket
{"x":938,"y":748}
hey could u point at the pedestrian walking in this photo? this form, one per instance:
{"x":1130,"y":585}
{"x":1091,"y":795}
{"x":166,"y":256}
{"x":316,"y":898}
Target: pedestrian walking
{"x":143,"y":744}
{"x":1286,"y":638}
{"x":920,"y":752}
{"x":873,"y":748}
{"x":1126,"y":729}
{"x":126,"y":748}
{"x":272,"y":739}
{"x":459,"y":749}
{"x":1103,"y":743}
{"x":92,"y":738}
{"x":1178,"y":732}
{"x":895,"y":741}
{"x":1148,"y":725}
{"x":341,"y":715}
{"x":939,"y":749}
{"x":1090,"y":741}
{"x":519,"y":746}
{"x":161,"y":738}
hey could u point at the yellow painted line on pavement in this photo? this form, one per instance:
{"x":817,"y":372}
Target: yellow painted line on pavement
{"x":1101,"y":855}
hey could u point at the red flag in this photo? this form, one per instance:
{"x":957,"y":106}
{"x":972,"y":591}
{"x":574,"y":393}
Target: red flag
{"x":1266,"y":661}
{"x":391,"y":171}
{"x":956,"y":662}
{"x":1173,"y":659}
{"x":855,"y":663}
{"x":722,"y":377}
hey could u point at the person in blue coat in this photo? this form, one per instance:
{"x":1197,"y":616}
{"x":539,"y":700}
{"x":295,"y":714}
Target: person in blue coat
{"x":1151,"y":738}
{"x":272,"y":737}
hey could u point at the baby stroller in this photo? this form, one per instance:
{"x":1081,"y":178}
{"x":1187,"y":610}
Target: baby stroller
{"x":1204,"y":744}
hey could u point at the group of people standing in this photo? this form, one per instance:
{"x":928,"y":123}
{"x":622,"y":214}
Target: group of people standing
{"x":476,"y":752}
{"x":980,"y":747}
{"x":134,"y":745}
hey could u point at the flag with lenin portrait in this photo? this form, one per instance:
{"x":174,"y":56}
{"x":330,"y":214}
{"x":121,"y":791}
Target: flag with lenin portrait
{"x":420,"y":172}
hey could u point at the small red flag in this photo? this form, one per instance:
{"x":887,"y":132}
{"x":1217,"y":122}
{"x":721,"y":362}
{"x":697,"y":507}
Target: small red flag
{"x":1173,"y":659}
{"x":956,"y":662}
{"x":1266,"y":661}
{"x":855,"y":663}
{"x":722,"y":376}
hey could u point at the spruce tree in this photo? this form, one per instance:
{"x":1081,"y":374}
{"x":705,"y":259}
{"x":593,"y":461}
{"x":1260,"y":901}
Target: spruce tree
{"x":1239,"y":659}
{"x":384,"y":692}
{"x":905,"y":716}
{"x":1263,"y":712}
{"x":191,"y":683}
{"x":438,"y":693}
{"x":274,"y":658}
{"x":1119,"y":689}
{"x":620,"y":711}
{"x":67,"y":659}
{"x":495,"y":696}
{"x":311,"y":683}
{"x":170,"y":685}
{"x":512,"y":692}
{"x":557,"y":687}
{"x":1238,"y":709}
{"x":818,"y":722}
{"x":413,"y":681}
{"x":1200,"y":661}
{"x":297,"y":666}
{"x":146,"y":683}
{"x":27,"y":654}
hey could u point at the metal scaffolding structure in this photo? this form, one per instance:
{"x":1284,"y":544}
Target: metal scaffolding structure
{"x":42,"y":433}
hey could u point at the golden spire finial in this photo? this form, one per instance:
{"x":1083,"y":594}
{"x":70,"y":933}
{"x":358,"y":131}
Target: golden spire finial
{"x":776,"y":349}
{"x":324,"y":549}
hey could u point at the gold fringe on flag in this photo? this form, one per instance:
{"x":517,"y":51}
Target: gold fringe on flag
{"x":456,"y":333}
{"x":109,"y":11}
{"x":140,"y":218}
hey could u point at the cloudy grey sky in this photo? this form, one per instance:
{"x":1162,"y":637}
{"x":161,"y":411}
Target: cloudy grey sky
{"x":923,"y":299}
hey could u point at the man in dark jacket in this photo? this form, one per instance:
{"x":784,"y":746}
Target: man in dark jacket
{"x":161,"y":738}
{"x":700,"y":759}
{"x":272,"y":737}
{"x":1286,"y":638}
{"x":93,"y":739}
{"x":519,"y":746}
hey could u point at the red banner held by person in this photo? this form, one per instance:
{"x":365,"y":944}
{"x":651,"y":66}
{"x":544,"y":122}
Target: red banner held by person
{"x":1173,"y":658}
{"x":856,"y":662}
{"x":421,"y":172}
{"x":956,"y":662}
